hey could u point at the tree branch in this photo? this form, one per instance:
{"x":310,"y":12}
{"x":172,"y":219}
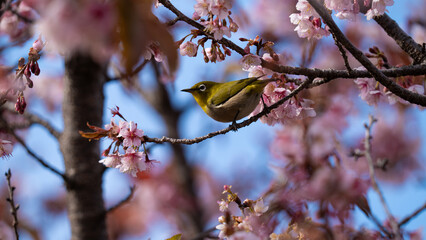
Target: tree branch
{"x":376,"y":73}
{"x":13,"y":208}
{"x":245,"y":123}
{"x":37,"y":158}
{"x":367,"y":154}
{"x":33,"y":119}
{"x":411,"y":216}
{"x":343,"y":53}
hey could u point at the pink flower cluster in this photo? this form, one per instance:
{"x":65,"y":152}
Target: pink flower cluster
{"x":312,"y":169}
{"x":292,"y":109}
{"x":378,"y":7}
{"x":308,"y":21}
{"x":127,"y":135}
{"x":373,"y":93}
{"x":16,"y":28}
{"x":309,"y":24}
{"x":216,"y":11}
{"x":240,"y":227}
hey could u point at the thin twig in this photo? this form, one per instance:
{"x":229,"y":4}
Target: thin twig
{"x":33,"y":119}
{"x":134,"y":72}
{"x":172,"y":22}
{"x":245,"y":123}
{"x":401,"y":92}
{"x":13,"y":208}
{"x":411,"y":216}
{"x":343,"y":53}
{"x":379,"y":225}
{"x":123,"y":201}
{"x":36,"y":157}
{"x":367,"y":154}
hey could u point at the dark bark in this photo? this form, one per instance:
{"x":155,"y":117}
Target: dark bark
{"x":83,"y":103}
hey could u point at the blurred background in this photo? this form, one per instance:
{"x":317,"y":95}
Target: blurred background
{"x":244,"y":159}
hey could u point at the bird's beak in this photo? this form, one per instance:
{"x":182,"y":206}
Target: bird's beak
{"x":188,"y":90}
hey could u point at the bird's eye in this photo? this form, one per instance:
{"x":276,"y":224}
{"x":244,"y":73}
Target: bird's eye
{"x":202,"y":87}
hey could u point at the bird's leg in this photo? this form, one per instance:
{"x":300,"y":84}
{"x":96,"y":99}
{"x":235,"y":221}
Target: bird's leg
{"x":234,"y":122}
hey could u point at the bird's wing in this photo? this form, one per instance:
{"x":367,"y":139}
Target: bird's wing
{"x":229,"y":90}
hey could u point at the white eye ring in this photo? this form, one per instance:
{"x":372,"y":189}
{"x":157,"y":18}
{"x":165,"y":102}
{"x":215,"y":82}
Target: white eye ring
{"x":202,"y":87}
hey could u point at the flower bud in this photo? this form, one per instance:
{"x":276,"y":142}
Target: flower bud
{"x":38,"y":44}
{"x":27,"y":72}
{"x":30,"y":83}
{"x":37,"y":69}
{"x":233,"y":27}
{"x":20,"y":104}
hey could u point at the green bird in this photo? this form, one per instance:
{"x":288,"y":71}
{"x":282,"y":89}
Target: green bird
{"x":230,"y":101}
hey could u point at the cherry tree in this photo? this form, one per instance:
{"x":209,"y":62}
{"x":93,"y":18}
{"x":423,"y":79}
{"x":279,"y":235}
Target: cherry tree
{"x":331,"y":60}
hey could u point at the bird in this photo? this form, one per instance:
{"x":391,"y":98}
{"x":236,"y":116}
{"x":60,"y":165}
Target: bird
{"x":229,"y":101}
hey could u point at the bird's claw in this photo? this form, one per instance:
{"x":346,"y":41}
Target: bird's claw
{"x":233,"y":126}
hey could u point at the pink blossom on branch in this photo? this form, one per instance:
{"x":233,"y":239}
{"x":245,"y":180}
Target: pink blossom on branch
{"x":370,"y":91}
{"x":111,"y":161}
{"x":345,"y":9}
{"x":378,"y":7}
{"x":131,"y":134}
{"x":132,"y":162}
{"x":308,"y":27}
{"x":292,"y":109}
{"x":202,"y":7}
{"x":249,"y":61}
{"x":220,"y":8}
{"x":188,"y":49}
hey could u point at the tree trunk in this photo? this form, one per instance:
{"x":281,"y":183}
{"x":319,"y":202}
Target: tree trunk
{"x":83,"y":103}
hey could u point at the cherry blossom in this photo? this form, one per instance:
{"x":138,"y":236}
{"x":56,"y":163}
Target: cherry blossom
{"x":220,"y":8}
{"x":290,"y":110}
{"x":223,"y":205}
{"x":249,"y":61}
{"x":306,"y":10}
{"x":220,"y":30}
{"x":131,"y":134}
{"x":132,"y":162}
{"x":188,"y":49}
{"x":112,"y":161}
{"x":369,"y":92}
{"x":260,"y":208}
{"x":308,"y":27}
{"x":202,"y":7}
{"x":378,"y":7}
{"x":38,"y":44}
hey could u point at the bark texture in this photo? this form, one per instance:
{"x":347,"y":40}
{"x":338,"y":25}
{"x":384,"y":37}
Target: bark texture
{"x":83,"y":103}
